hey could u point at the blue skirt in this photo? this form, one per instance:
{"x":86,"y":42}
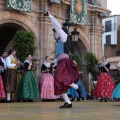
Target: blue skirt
{"x":74,"y":94}
{"x":116,"y":92}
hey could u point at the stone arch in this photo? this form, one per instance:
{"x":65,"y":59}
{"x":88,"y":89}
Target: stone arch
{"x":84,"y":39}
{"x":21,"y":20}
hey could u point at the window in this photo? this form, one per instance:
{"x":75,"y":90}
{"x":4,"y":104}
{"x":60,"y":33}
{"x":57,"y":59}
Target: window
{"x":90,"y":1}
{"x":108,"y":39}
{"x":108,"y":26}
{"x":118,"y":53}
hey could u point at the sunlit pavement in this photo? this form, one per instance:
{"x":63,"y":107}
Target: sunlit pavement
{"x":83,"y":110}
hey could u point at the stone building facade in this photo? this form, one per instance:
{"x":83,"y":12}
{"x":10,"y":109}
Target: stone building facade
{"x":90,"y":38}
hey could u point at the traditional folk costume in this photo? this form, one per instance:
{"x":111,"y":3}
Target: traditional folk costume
{"x":20,"y":71}
{"x":116,"y":92}
{"x":3,"y":68}
{"x":11,"y":76}
{"x":67,"y":73}
{"x":47,"y":83}
{"x":74,"y":94}
{"x":29,"y":87}
{"x":105,"y":84}
{"x":2,"y":91}
{"x":3,"y":64}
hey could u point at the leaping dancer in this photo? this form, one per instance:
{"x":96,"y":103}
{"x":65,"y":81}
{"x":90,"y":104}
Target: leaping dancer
{"x":67,"y":73}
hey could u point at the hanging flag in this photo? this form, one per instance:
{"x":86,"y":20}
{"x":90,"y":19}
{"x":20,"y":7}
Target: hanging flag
{"x":78,"y":12}
{"x":23,"y":5}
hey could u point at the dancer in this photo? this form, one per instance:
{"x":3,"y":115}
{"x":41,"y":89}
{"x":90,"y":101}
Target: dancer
{"x":73,"y":92}
{"x":3,"y":68}
{"x":29,"y":87}
{"x":3,"y":64}
{"x":67,"y":73}
{"x":2,"y":91}
{"x":47,"y":81}
{"x":105,"y":84}
{"x":11,"y":74}
{"x":116,"y":92}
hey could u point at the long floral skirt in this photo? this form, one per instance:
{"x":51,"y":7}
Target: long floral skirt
{"x":28,"y":87}
{"x":2,"y":91}
{"x":116,"y":92}
{"x":105,"y":86}
{"x":47,"y":87}
{"x":66,"y":74}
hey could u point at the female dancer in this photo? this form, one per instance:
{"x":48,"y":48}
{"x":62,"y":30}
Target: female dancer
{"x":29,"y":87}
{"x":67,"y":73}
{"x":2,"y":91}
{"x":73,"y":92}
{"x":105,"y":84}
{"x":47,"y":81}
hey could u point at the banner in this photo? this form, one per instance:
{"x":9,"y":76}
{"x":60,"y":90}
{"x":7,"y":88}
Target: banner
{"x":23,"y":5}
{"x":78,"y":12}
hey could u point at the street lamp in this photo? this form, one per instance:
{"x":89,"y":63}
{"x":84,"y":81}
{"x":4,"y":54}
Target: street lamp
{"x":56,"y":36}
{"x":67,"y":24}
{"x":75,"y":35}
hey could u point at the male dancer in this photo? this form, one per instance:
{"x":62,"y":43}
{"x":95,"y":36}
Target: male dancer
{"x":67,"y":73}
{"x":11,"y":74}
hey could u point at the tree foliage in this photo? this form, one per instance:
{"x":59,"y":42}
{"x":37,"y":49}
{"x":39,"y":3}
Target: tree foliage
{"x":77,"y":59}
{"x":23,"y":43}
{"x":92,"y":63}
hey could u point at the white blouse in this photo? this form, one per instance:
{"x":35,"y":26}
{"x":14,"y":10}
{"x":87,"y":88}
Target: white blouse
{"x":58,"y":29}
{"x":8,"y":62}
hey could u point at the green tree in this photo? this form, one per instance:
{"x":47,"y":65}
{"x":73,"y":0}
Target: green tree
{"x":92,"y":63}
{"x":23,"y":43}
{"x":77,"y":59}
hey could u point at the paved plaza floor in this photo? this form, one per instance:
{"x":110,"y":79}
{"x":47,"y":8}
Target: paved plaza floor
{"x":83,"y":110}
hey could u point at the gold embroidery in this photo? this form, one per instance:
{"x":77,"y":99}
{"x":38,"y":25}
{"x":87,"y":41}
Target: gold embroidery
{"x":79,"y":6}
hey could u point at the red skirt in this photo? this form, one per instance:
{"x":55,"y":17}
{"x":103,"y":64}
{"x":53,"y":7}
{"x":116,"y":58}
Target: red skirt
{"x":66,"y":74}
{"x":2,"y":91}
{"x":105,"y":86}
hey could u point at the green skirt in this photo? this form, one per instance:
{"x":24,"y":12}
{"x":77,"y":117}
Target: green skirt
{"x":28,"y":87}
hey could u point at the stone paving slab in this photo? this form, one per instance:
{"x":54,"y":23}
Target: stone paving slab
{"x":83,"y":110}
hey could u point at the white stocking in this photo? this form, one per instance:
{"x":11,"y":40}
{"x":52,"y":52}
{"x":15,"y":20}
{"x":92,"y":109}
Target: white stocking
{"x":73,"y":85}
{"x":65,"y":97}
{"x":8,"y":96}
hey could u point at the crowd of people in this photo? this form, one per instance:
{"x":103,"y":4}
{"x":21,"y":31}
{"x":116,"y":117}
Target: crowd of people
{"x":58,"y":77}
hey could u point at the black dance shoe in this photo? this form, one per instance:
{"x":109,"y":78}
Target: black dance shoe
{"x":3,"y":101}
{"x":9,"y":101}
{"x":30,"y":100}
{"x":106,"y":100}
{"x":66,"y":105}
{"x":72,"y":99}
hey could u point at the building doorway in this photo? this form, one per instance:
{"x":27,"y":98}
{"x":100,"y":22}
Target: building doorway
{"x":7,"y":32}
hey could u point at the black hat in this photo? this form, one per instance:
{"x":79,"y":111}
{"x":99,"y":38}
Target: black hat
{"x":11,"y":50}
{"x":2,"y":52}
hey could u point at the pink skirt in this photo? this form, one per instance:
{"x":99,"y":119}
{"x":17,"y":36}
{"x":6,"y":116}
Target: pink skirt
{"x":2,"y":91}
{"x":47,"y":87}
{"x":105,"y":86}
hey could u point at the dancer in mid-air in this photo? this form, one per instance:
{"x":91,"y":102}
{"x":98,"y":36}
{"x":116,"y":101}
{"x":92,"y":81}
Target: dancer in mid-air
{"x":67,"y":73}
